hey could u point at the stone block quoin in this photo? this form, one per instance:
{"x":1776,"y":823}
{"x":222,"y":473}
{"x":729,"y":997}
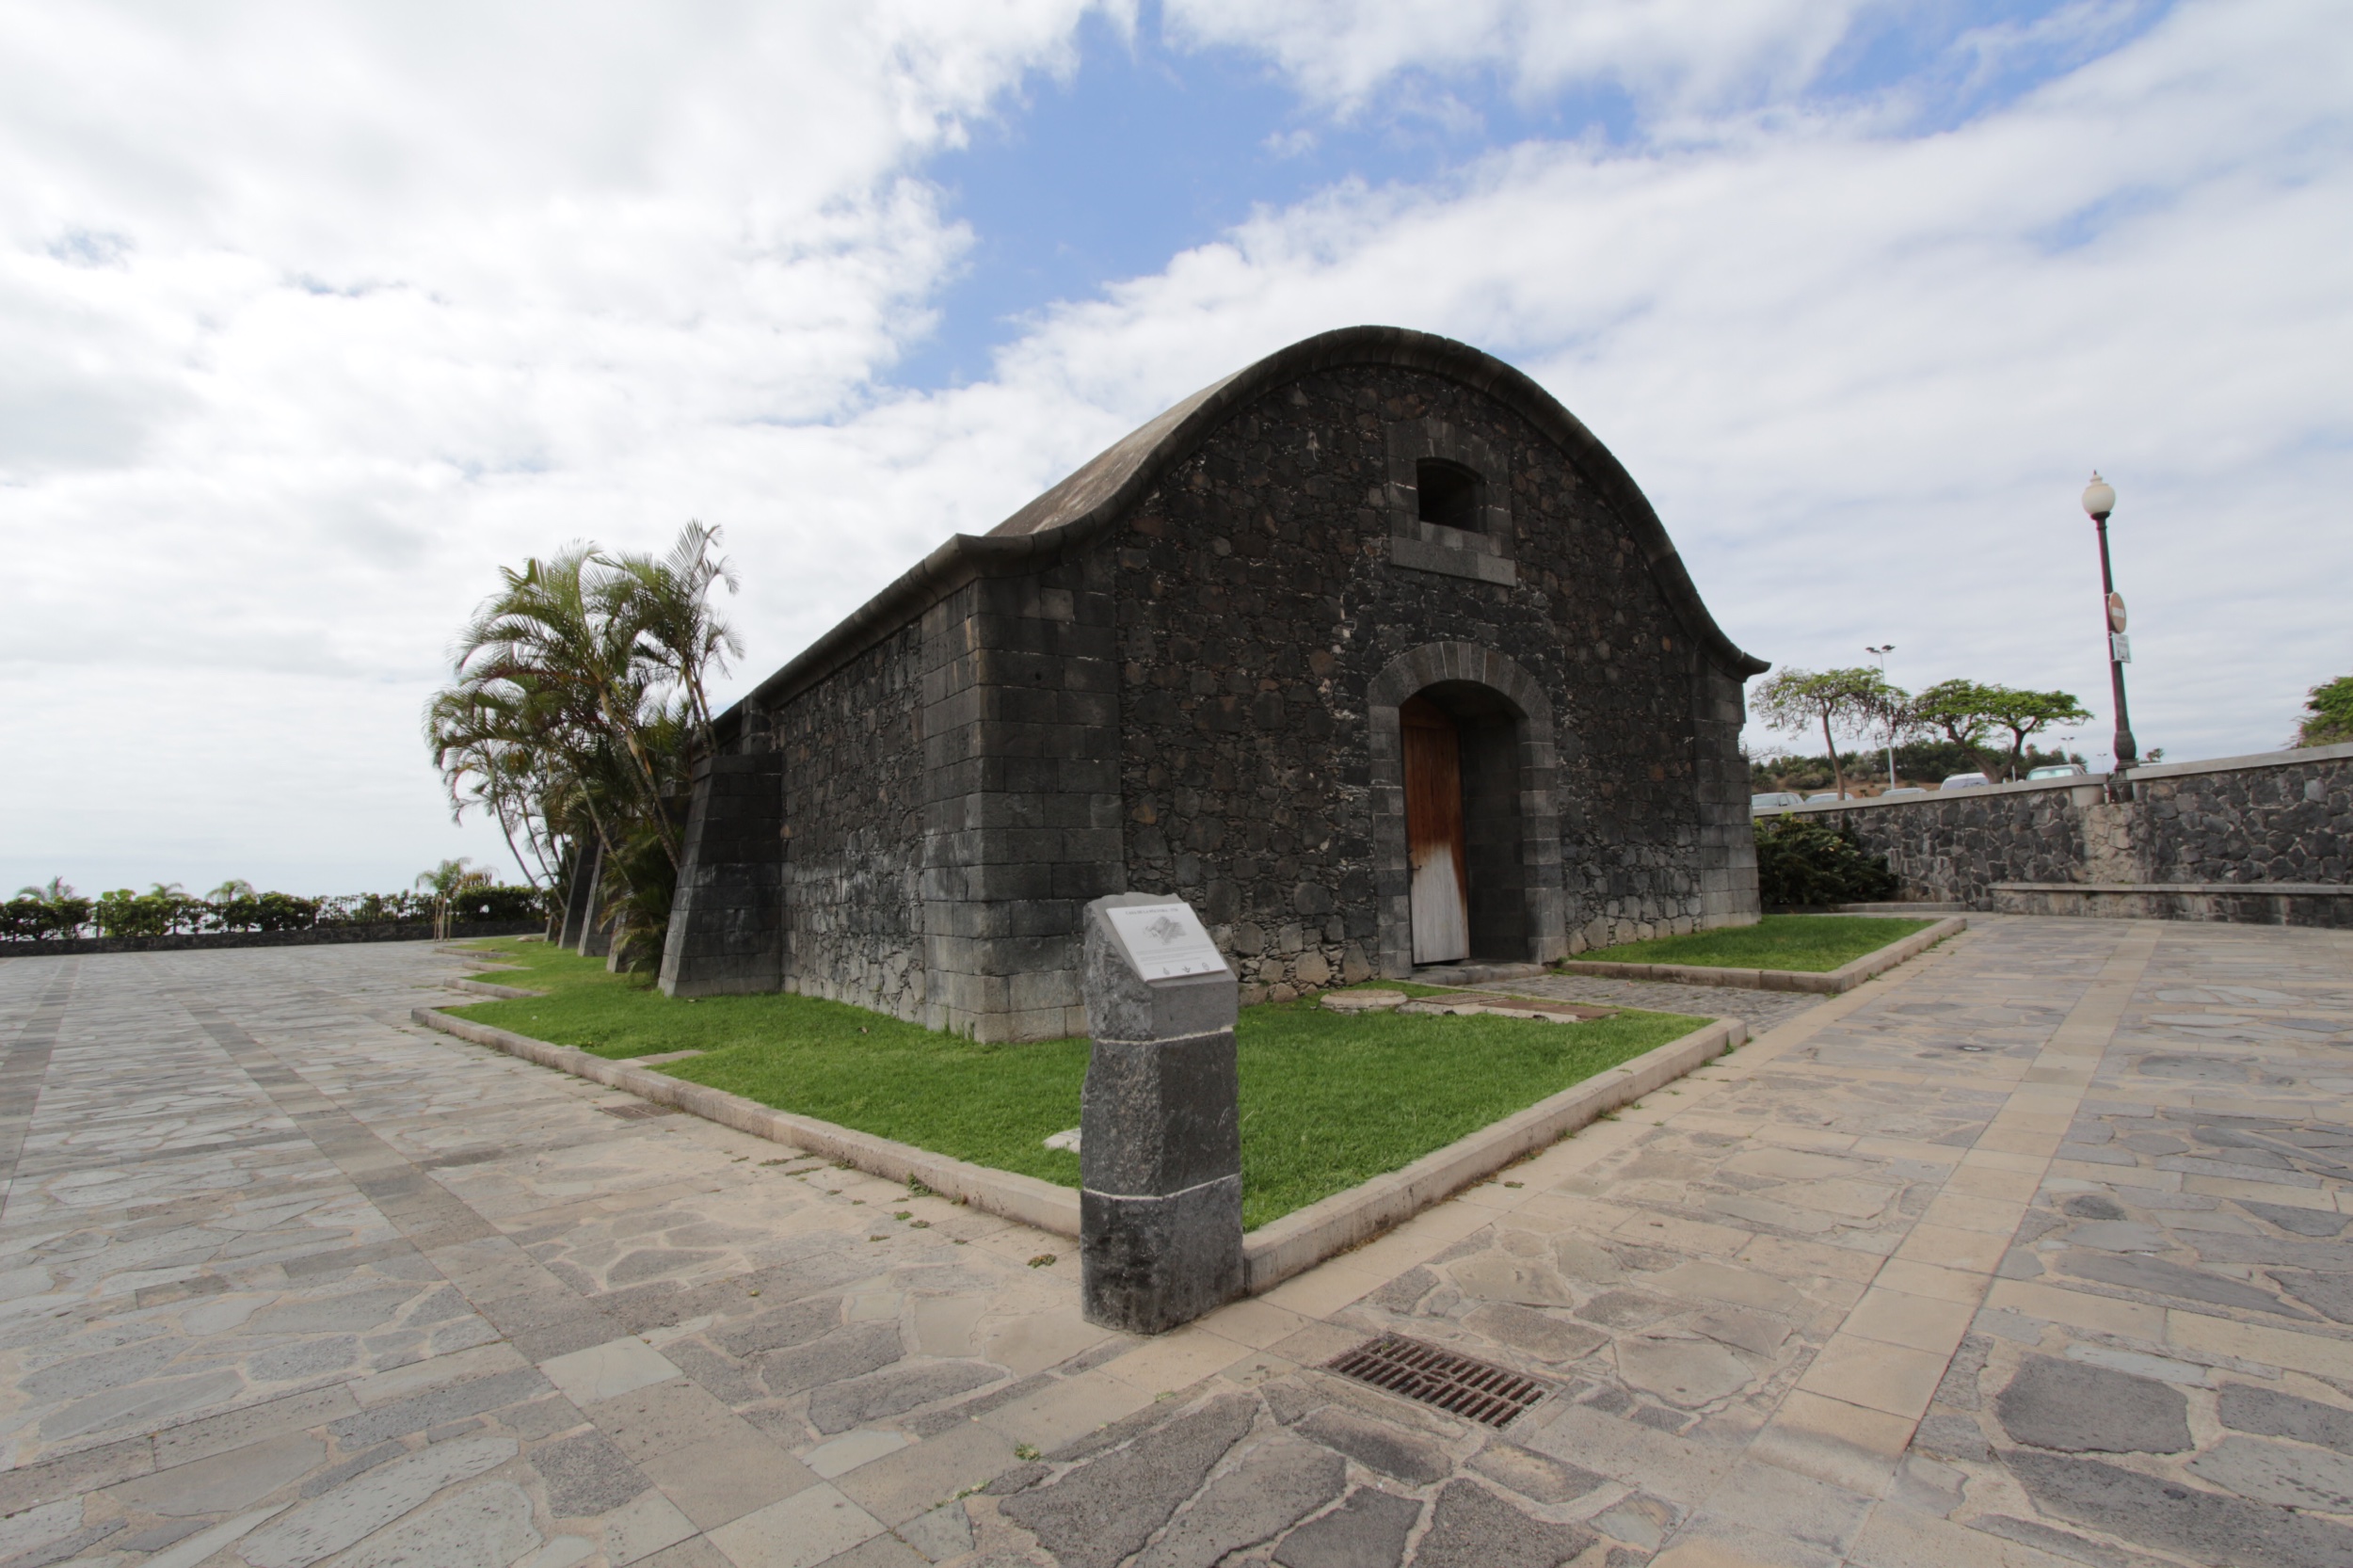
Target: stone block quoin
{"x":727,"y":922}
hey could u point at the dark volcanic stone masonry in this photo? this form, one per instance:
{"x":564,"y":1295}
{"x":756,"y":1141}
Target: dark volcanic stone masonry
{"x":1180,"y":671}
{"x":2284,"y":818}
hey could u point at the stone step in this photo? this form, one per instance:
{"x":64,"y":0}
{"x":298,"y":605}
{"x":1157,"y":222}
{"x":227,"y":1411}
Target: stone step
{"x":1475,"y":974}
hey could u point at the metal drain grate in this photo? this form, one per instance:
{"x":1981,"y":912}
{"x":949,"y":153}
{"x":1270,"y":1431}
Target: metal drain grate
{"x":1454,"y":1384}
{"x":637,"y":1111}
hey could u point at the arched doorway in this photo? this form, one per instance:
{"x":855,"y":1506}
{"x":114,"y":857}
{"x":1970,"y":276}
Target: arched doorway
{"x":1466,"y":833}
{"x":1434,"y":852}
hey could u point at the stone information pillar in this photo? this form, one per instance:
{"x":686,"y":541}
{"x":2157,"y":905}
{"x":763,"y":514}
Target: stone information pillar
{"x":1160,"y":1151}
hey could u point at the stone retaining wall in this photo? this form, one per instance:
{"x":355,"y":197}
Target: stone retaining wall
{"x":2276,"y":817}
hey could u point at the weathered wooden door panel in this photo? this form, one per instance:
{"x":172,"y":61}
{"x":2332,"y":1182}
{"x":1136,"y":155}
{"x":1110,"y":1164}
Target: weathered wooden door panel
{"x":1434,"y":832}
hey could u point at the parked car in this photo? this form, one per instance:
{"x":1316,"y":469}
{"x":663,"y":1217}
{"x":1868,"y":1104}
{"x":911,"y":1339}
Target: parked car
{"x":2060,"y":769}
{"x":1966,"y":781}
{"x":1826,"y":794}
{"x":1898,"y":794}
{"x":1774,"y":800}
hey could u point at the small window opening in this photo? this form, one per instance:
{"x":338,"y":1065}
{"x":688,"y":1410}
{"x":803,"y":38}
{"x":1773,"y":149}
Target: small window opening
{"x":1449,"y":494}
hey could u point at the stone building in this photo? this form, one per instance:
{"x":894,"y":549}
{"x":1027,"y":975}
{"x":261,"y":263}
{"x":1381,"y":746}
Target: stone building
{"x":1370,"y":651}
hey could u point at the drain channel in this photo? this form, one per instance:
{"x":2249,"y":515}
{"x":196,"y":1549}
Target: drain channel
{"x":1454,"y":1384}
{"x":637,"y":1111}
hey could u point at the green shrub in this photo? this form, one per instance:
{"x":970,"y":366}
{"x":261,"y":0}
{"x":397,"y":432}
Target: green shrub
{"x":264,"y":912}
{"x":161,"y":912}
{"x":1805,"y":862}
{"x":36,"y":914}
{"x":2327,"y":716}
{"x":29,"y":917}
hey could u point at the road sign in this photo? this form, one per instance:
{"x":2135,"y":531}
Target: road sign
{"x":2116,"y":612}
{"x":2120,"y":647}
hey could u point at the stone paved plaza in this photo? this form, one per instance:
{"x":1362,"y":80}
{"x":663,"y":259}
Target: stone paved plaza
{"x":2030,"y":1253}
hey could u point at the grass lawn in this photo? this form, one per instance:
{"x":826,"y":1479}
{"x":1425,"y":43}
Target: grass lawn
{"x":1328,"y":1100}
{"x":1815,"y":943}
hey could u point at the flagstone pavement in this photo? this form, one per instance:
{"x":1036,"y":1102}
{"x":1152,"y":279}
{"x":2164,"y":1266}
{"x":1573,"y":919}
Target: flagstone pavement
{"x":2032,"y":1253}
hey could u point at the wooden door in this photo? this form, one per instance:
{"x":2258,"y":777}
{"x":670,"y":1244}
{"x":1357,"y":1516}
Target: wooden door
{"x":1434,"y":832}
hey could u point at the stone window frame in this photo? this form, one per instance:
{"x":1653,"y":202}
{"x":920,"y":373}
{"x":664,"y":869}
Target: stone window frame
{"x":1484,"y":555}
{"x":1432,"y":665}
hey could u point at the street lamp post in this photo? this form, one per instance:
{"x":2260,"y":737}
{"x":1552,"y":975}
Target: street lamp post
{"x":1882,"y":652}
{"x":2099,"y":501}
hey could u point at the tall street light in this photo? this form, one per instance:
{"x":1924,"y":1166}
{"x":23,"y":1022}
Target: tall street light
{"x":2099,"y":501}
{"x":1880,"y":653}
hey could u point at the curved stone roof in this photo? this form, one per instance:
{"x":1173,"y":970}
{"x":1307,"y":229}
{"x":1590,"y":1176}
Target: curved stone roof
{"x":1102,"y":488}
{"x":1126,"y":469}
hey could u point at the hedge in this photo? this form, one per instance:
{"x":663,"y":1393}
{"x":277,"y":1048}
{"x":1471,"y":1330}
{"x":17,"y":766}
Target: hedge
{"x":29,"y":918}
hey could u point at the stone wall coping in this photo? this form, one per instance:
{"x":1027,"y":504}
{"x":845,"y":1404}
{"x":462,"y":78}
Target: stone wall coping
{"x":2296,"y":756}
{"x":2289,"y":890}
{"x":1305,"y":1237}
{"x":1828,"y":982}
{"x":1938,"y":797}
{"x":2292,"y":757}
{"x":1271,"y":1254}
{"x":1013,"y":1196}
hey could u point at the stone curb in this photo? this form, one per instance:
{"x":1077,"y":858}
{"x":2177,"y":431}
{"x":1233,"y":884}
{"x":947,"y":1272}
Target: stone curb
{"x":1305,"y":1237}
{"x":1021,"y":1198}
{"x":1271,"y":1254}
{"x":491,"y":988}
{"x":1845,"y":978}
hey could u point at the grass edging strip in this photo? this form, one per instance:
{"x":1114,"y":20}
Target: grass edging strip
{"x":1007,"y":1193}
{"x":492,"y":988}
{"x":1305,"y":1237}
{"x":1271,"y":1254}
{"x":1845,"y":978}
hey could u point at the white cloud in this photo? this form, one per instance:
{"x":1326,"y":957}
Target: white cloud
{"x":309,"y":314}
{"x":1863,"y":375}
{"x":309,"y":319}
{"x":1668,"y":55}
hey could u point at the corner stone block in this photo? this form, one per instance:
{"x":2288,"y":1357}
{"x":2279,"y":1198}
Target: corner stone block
{"x":580,"y":898}
{"x":1160,"y":1125}
{"x":726,"y":920}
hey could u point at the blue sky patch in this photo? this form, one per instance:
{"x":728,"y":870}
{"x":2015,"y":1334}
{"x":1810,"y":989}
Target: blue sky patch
{"x":1148,"y":150}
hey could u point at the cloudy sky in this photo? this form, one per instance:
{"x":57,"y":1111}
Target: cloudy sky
{"x":312,"y":315}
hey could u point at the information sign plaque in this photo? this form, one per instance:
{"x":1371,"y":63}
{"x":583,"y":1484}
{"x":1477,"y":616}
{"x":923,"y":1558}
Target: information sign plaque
{"x":1165,"y":941}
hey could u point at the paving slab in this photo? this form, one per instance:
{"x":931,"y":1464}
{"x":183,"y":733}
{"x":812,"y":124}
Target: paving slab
{"x":2038,"y":1251}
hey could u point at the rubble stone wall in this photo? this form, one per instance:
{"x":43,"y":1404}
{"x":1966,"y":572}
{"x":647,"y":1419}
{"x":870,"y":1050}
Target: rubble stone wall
{"x":1190,"y":698}
{"x":1259,"y":598}
{"x":2281,"y":818}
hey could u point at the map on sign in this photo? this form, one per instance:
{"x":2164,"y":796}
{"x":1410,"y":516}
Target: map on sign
{"x":1165,"y":941}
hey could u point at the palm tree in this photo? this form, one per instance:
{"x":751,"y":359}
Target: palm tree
{"x":581,"y":706}
{"x":560,"y":631}
{"x":452,"y":877}
{"x":680,"y":632}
